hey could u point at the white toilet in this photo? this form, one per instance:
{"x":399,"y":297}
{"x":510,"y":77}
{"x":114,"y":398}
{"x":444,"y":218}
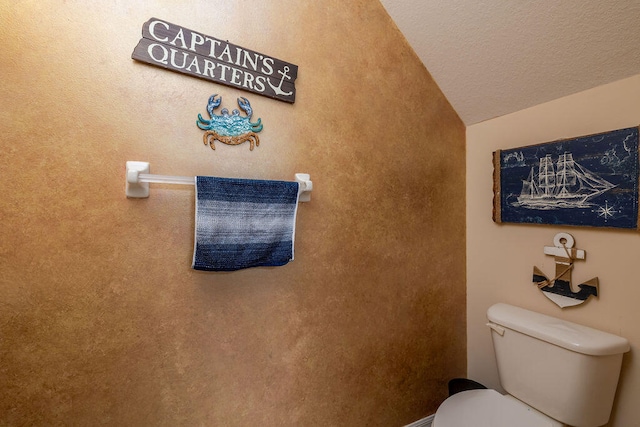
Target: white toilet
{"x":557,"y":373}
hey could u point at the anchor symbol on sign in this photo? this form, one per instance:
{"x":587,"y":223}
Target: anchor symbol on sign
{"x":278,"y":89}
{"x":559,"y":289}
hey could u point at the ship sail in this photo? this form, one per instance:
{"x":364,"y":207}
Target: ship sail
{"x":566,"y":175}
{"x":567,"y":185}
{"x":546,"y":176}
{"x":529,"y":186}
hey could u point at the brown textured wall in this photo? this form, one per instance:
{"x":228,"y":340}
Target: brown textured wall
{"x":104,"y":323}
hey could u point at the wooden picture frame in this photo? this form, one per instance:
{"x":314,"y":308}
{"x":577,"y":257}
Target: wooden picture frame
{"x":588,"y":181}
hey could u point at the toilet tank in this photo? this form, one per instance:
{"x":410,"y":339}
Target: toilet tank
{"x":565,"y":370}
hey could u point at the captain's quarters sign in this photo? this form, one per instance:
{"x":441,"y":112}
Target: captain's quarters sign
{"x":179,"y":49}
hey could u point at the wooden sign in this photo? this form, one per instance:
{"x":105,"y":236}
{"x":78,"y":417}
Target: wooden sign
{"x":179,"y":49}
{"x":589,"y":181}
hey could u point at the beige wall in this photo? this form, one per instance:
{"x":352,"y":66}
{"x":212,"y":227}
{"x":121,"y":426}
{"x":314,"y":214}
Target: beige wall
{"x":102,"y":320}
{"x":501,"y":257}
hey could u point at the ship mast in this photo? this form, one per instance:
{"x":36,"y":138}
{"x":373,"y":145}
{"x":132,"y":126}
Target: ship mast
{"x":547,"y":176}
{"x":566,"y":174}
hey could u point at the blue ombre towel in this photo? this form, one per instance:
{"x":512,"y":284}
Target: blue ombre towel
{"x":243,"y":223}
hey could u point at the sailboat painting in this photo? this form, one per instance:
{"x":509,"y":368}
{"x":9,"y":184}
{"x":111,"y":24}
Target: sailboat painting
{"x":586,"y":181}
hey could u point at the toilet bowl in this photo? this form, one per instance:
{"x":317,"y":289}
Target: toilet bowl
{"x":554,"y":372}
{"x":488,"y":408}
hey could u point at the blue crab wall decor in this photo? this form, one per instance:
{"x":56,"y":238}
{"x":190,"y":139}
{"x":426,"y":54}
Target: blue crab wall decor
{"x":230,"y":129}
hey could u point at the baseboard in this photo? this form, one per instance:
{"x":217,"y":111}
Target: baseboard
{"x":424,"y":422}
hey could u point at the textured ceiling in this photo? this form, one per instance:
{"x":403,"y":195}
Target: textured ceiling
{"x":494,"y":57}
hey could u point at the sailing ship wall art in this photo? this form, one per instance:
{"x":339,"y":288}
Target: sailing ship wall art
{"x":586,"y":181}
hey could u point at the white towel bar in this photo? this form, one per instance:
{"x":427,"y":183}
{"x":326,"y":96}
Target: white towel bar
{"x":138,"y":179}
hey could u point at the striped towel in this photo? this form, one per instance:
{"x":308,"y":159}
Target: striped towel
{"x":242,"y":223}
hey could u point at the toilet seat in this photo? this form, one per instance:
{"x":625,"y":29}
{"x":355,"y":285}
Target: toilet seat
{"x":488,"y":408}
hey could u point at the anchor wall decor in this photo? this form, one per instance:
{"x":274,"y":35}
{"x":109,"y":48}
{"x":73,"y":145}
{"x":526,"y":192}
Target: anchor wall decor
{"x":559,"y":288}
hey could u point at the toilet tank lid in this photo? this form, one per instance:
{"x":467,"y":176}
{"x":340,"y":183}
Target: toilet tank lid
{"x":571,"y":336}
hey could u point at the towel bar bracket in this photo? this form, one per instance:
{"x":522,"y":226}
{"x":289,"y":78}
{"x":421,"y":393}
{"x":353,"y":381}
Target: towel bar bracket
{"x":305,"y":187}
{"x":134,"y":188}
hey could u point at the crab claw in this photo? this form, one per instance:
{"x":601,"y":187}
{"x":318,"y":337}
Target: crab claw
{"x":213,"y":104}
{"x":246,"y":106}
